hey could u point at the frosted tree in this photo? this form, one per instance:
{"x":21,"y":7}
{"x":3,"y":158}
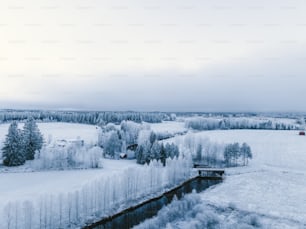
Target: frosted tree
{"x":245,"y":151}
{"x":228,"y":155}
{"x":32,"y":138}
{"x":112,"y":144}
{"x":236,"y":152}
{"x":174,"y":151}
{"x":233,"y":154}
{"x":163,"y":155}
{"x":199,"y":153}
{"x":155,"y":151}
{"x":130,"y":131}
{"x":12,"y":151}
{"x":143,"y":153}
{"x":153,"y":137}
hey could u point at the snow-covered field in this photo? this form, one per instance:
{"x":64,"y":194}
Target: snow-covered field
{"x":272,"y":187}
{"x":59,"y":131}
{"x":30,"y":185}
{"x":172,"y":127}
{"x":18,"y":186}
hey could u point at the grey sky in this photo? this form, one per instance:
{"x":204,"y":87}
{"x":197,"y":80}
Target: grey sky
{"x":196,"y":55}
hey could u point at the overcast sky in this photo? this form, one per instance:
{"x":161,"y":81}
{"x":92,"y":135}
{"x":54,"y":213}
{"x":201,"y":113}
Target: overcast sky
{"x":195,"y":55}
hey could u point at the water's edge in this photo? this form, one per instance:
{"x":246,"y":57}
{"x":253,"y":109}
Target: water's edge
{"x":136,"y":214}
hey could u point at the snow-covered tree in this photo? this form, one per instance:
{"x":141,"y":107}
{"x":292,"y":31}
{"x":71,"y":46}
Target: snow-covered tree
{"x":163,"y":155}
{"x":155,"y":151}
{"x":153,"y":137}
{"x":112,"y":144}
{"x":130,"y":131}
{"x":32,"y":139}
{"x":228,"y":155}
{"x":235,"y":155}
{"x":246,"y":153}
{"x":199,"y":153}
{"x":140,"y":155}
{"x":12,"y":152}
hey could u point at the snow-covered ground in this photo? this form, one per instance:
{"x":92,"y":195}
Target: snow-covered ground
{"x":273,"y":186}
{"x":30,"y":185}
{"x":59,"y":131}
{"x":172,"y":127}
{"x":18,"y":186}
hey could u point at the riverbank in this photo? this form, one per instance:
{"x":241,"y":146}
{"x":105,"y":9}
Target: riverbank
{"x":272,"y":187}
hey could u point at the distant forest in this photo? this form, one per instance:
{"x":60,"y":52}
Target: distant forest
{"x":86,"y":117}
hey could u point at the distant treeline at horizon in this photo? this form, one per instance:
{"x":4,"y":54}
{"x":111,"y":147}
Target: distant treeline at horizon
{"x":104,"y":117}
{"x":86,"y":117}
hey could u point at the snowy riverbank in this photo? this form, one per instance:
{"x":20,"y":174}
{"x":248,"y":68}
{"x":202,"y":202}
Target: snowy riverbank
{"x":272,"y":188}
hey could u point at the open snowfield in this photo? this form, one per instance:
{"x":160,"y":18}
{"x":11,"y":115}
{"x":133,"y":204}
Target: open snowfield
{"x":172,"y":127}
{"x":30,"y":185}
{"x":59,"y":131}
{"x":273,"y":186}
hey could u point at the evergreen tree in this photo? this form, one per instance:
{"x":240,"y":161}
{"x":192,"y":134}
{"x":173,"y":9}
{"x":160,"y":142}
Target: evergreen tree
{"x":174,"y":151}
{"x":32,"y":138}
{"x":12,"y":152}
{"x":163,"y":155}
{"x":152,"y":137}
{"x":155,"y":151}
{"x":141,"y":154}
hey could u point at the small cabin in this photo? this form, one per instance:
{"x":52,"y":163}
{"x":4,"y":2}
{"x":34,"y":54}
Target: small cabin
{"x":302,"y":133}
{"x":76,"y":142}
{"x":70,"y":142}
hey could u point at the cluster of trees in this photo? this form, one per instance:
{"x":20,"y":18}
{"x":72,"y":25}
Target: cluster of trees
{"x":72,"y":156}
{"x":201,"y":123}
{"x":150,"y":149}
{"x":212,"y":153}
{"x":21,"y":145}
{"x":96,"y":199}
{"x":86,"y":117}
{"x":202,"y":149}
{"x":235,"y":155}
{"x":115,"y":140}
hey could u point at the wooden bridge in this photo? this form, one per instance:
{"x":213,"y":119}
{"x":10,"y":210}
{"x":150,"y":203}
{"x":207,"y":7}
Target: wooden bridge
{"x":208,"y":172}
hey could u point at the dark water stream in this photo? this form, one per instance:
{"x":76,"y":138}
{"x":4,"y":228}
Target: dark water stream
{"x":137,"y":214}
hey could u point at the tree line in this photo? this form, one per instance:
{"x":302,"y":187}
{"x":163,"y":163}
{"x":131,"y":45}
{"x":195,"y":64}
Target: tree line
{"x":201,"y":123}
{"x":214,"y":154}
{"x":85,"y":117}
